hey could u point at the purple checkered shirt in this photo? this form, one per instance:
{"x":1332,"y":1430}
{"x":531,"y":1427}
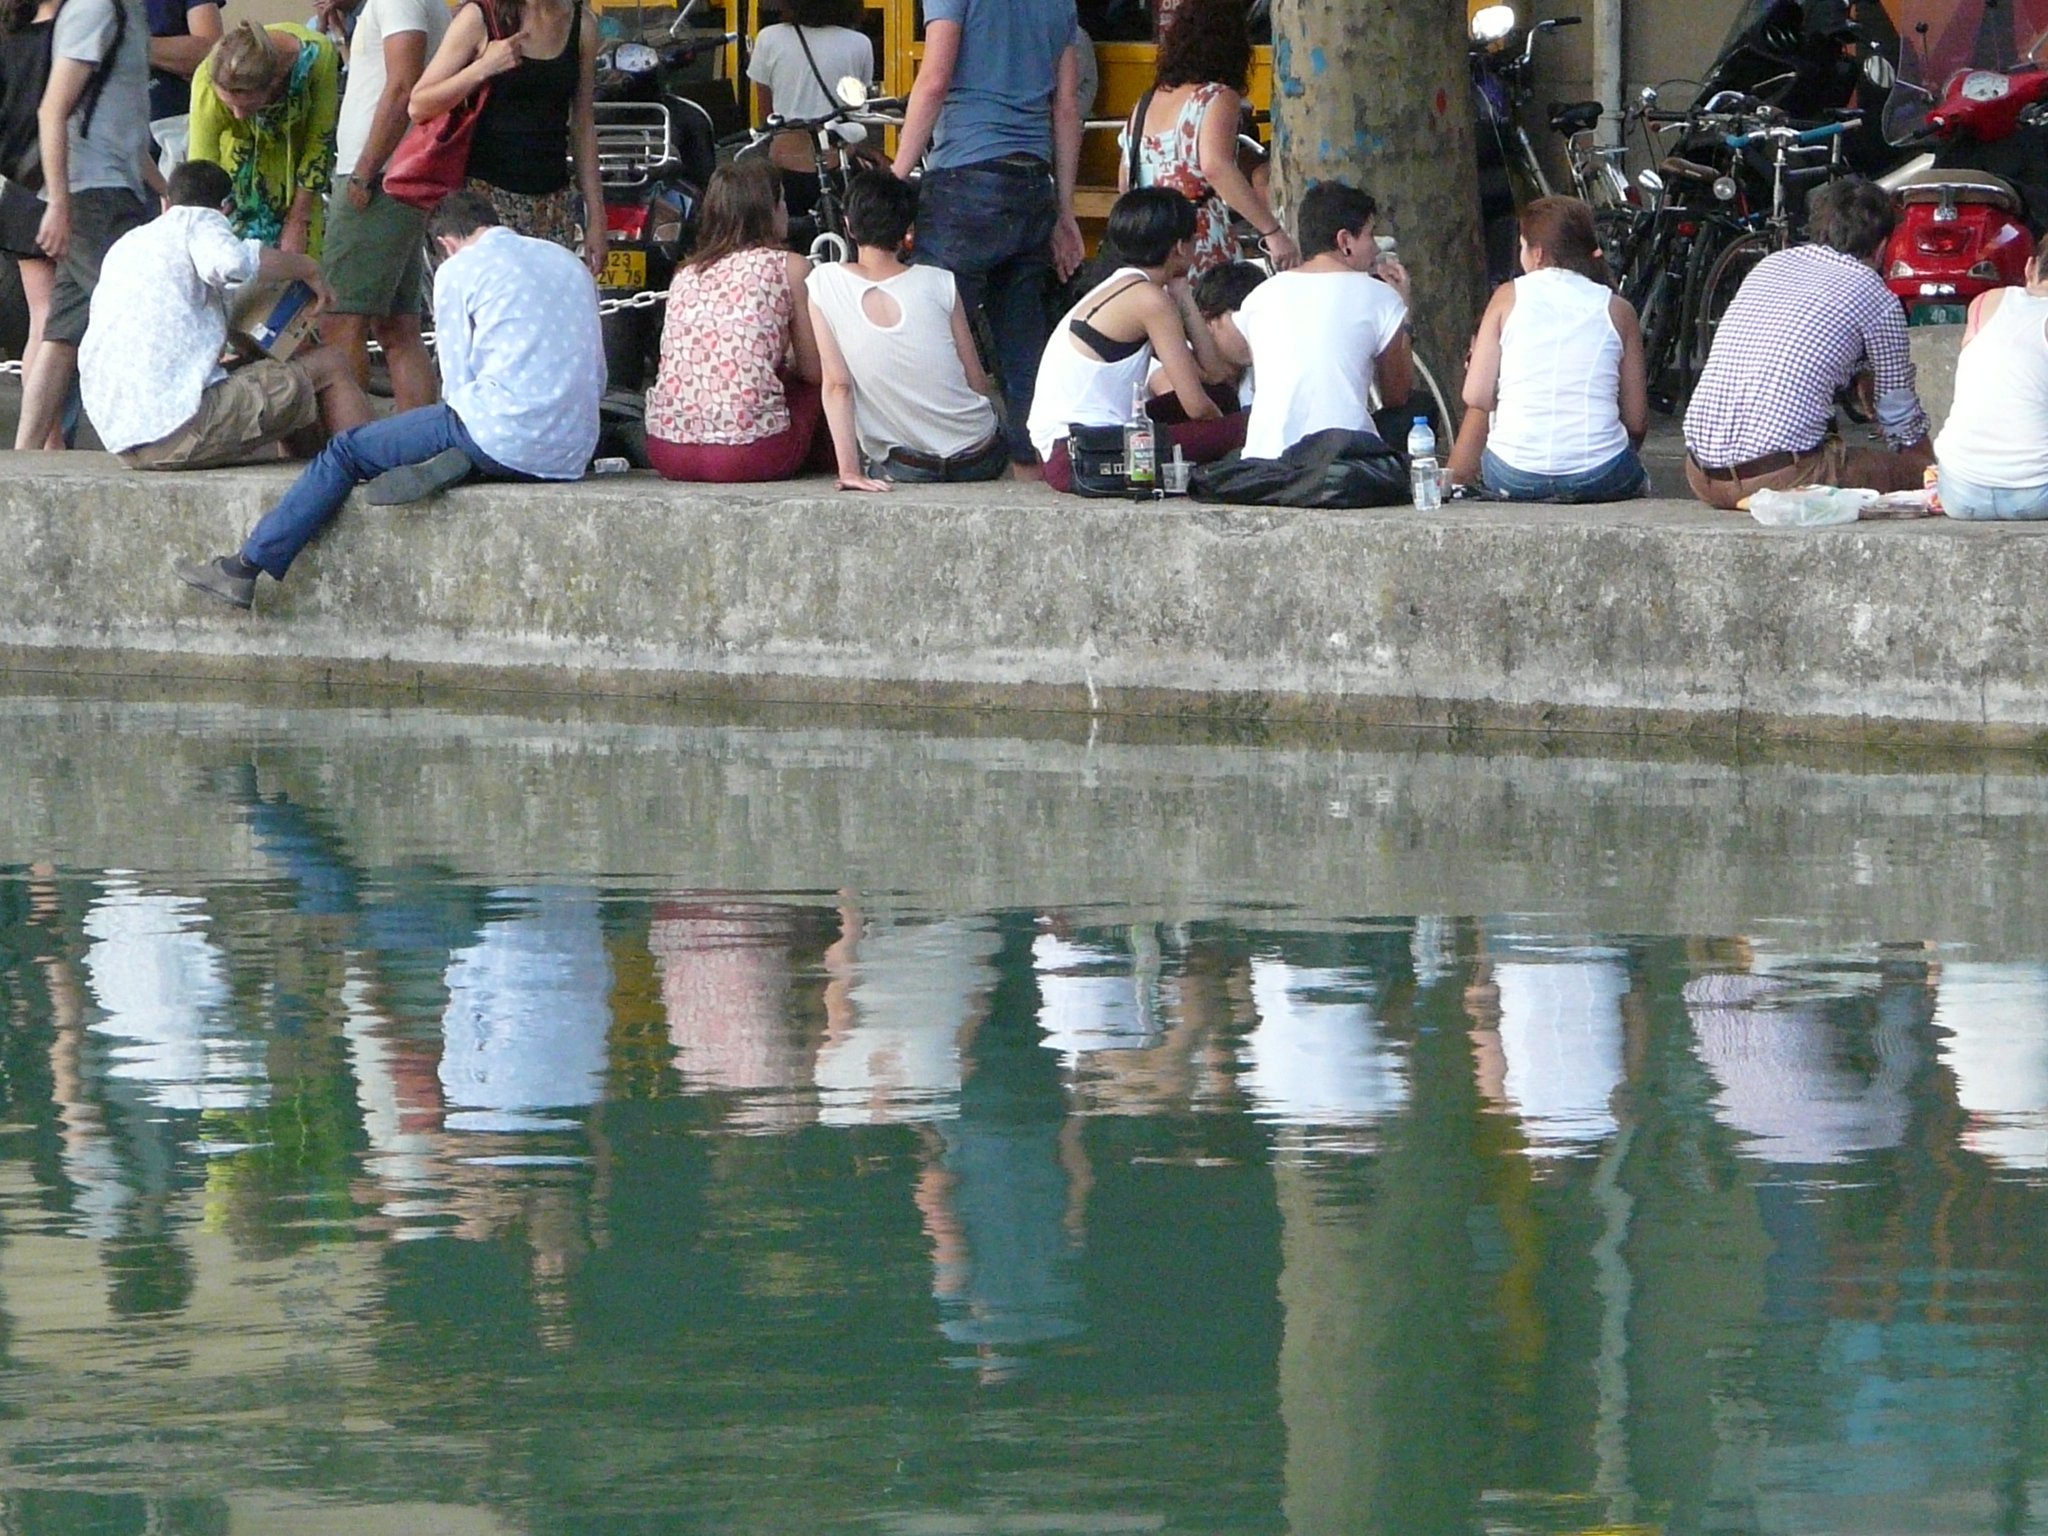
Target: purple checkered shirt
{"x":1806,"y":322}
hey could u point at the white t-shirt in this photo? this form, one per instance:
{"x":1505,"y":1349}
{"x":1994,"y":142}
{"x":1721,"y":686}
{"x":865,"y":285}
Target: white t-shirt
{"x":778,"y":62}
{"x":377,"y":20}
{"x":909,"y":388}
{"x":1314,"y":338}
{"x":159,"y":316}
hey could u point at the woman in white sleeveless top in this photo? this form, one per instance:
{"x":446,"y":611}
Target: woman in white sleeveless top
{"x":1100,"y":358}
{"x":1556,"y":400}
{"x":1992,"y":456}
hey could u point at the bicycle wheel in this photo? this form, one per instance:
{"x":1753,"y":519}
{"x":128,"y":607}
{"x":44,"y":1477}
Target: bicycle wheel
{"x":1722,"y":281}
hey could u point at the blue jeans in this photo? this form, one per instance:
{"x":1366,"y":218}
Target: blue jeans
{"x":991,"y":225}
{"x":359,"y":454}
{"x":1990,"y":503}
{"x":1621,"y":478}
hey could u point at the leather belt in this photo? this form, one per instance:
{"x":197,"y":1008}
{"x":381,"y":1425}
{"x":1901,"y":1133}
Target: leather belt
{"x":933,"y":464}
{"x":1751,"y":469}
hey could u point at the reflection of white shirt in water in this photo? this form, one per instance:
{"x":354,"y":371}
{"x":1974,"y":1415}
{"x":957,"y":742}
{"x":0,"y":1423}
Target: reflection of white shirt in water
{"x":528,"y":1011}
{"x":1996,"y":1019}
{"x":915,"y":988}
{"x":1313,"y":1060}
{"x":1781,"y":1085}
{"x":162,"y":986}
{"x":1560,"y":1034}
{"x":1087,"y":998}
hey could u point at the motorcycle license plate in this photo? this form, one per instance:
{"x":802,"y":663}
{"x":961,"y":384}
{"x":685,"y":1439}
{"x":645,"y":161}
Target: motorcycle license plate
{"x":625,"y":269}
{"x":1938,"y":314}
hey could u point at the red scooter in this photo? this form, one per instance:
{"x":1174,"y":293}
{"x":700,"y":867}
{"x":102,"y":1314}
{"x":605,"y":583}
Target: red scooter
{"x":1964,"y":228}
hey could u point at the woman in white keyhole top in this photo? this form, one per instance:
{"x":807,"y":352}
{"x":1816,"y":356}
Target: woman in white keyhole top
{"x":1556,"y":398}
{"x":1992,"y":456}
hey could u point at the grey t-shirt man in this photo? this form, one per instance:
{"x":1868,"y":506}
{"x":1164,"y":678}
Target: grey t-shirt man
{"x":111,"y":155}
{"x":1000,"y":100}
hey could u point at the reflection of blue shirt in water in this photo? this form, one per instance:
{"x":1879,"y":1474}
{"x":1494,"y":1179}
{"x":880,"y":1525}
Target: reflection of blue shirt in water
{"x":1011,"y":1200}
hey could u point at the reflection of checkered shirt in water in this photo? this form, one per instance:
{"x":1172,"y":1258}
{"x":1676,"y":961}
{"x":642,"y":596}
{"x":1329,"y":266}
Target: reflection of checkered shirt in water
{"x":1806,"y":322}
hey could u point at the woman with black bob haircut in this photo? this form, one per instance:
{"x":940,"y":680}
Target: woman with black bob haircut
{"x":1183,"y":133}
{"x":1135,"y":334}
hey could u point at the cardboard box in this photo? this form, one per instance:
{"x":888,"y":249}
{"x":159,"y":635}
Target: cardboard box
{"x":278,"y":317}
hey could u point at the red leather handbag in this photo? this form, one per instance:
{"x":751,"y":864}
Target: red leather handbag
{"x":432,"y":159}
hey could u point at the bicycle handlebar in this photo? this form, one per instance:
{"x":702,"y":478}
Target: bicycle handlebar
{"x":1789,"y":135}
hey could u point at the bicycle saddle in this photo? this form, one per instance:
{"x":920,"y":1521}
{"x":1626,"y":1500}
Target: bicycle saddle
{"x":1574,"y":116}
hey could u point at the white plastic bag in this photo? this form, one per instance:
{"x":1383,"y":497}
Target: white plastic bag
{"x":1808,"y":506}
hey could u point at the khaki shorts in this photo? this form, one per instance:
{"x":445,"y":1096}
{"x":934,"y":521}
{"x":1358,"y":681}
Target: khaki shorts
{"x":247,"y":411}
{"x":375,"y":257}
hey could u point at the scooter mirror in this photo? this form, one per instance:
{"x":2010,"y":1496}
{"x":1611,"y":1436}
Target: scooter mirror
{"x":852,"y":91}
{"x":1877,"y":69}
{"x":1650,"y":182}
{"x":1648,"y":96}
{"x":1492,"y":23}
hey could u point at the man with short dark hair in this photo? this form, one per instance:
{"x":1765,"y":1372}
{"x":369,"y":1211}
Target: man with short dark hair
{"x":150,"y":363}
{"x":904,"y":389}
{"x":1806,"y":323}
{"x":1322,"y":335}
{"x":996,"y":100}
{"x":522,"y":370}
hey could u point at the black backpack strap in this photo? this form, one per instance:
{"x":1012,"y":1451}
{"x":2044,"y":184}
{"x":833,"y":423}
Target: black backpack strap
{"x":1137,"y":134}
{"x":817,"y":74}
{"x":89,"y":99}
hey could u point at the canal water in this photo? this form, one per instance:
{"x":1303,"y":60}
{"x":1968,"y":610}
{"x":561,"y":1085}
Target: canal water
{"x":418,"y":1121}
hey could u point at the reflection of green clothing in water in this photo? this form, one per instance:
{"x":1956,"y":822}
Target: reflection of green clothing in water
{"x":281,"y":151}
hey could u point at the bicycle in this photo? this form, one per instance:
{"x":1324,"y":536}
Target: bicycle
{"x":832,"y":139}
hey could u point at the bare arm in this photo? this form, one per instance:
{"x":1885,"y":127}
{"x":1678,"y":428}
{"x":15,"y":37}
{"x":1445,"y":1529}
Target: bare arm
{"x":970,"y":357}
{"x":67,"y":83}
{"x":1170,"y":346}
{"x":1982,"y":308}
{"x":274,"y":266}
{"x":181,"y":55}
{"x":927,"y":95}
{"x":1217,"y":151}
{"x":1635,"y":377}
{"x":1215,"y":367}
{"x":466,"y":58}
{"x":405,"y":60}
{"x":1068,"y":250}
{"x":1395,"y":370}
{"x":1482,"y":388}
{"x":803,"y":341}
{"x":583,"y":140}
{"x":837,"y":387}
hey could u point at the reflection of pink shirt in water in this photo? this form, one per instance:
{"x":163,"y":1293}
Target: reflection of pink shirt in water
{"x":725,"y":986}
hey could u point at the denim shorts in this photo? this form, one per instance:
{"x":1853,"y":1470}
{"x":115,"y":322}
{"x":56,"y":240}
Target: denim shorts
{"x":1621,"y":478}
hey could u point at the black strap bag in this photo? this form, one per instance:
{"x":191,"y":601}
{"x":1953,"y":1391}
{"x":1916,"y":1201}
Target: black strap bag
{"x":1096,"y":455}
{"x":1329,"y":469}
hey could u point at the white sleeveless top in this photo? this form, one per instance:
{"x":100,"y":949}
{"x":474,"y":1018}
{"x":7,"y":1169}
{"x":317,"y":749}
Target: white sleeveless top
{"x":1997,"y":431}
{"x":909,"y":389}
{"x":1558,"y":407}
{"x":1075,"y":389}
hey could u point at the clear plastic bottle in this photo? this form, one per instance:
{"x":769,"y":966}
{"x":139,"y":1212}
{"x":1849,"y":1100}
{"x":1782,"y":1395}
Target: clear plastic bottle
{"x":1141,"y":447}
{"x":1425,"y":478}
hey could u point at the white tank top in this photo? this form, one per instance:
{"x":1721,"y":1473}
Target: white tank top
{"x":1558,"y":408}
{"x":1997,"y":431}
{"x":1076,"y":389}
{"x":909,"y":389}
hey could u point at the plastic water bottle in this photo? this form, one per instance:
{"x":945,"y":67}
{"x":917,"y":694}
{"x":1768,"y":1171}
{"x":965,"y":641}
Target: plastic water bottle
{"x":1425,"y":479}
{"x":1141,"y":448}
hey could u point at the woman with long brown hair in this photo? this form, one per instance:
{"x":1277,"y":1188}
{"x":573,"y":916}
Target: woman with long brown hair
{"x":539,"y":58}
{"x":1556,"y":398}
{"x":735,"y":395}
{"x":1187,"y":126}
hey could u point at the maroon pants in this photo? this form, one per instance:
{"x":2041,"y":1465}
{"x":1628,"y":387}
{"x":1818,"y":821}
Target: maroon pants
{"x":780,"y":457}
{"x":1200,"y":442}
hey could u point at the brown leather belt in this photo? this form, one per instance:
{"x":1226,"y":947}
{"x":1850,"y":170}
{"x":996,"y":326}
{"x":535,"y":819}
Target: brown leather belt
{"x":1750,"y":469}
{"x":932,"y":464}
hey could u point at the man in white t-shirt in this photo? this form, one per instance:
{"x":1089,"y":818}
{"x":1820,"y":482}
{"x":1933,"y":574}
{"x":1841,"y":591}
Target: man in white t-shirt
{"x":376,"y":245}
{"x":1322,"y":335}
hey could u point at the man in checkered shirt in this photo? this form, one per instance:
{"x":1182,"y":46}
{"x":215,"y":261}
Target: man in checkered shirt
{"x":1806,"y":323}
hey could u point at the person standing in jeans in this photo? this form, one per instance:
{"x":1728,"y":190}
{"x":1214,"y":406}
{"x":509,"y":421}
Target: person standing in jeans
{"x":996,"y":101}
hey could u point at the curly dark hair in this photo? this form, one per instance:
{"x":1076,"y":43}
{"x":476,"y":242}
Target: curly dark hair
{"x":1207,"y":42}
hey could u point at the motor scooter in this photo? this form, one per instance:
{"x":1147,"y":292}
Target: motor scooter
{"x":1966,"y":212}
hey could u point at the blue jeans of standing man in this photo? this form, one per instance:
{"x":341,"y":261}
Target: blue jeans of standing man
{"x":359,"y":454}
{"x":991,"y":225}
{"x":1621,"y":478}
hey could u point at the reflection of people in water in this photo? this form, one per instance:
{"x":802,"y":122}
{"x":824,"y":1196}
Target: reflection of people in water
{"x":901,"y":997}
{"x":1993,"y":1025}
{"x":1548,"y":1031}
{"x":1783,"y":1063}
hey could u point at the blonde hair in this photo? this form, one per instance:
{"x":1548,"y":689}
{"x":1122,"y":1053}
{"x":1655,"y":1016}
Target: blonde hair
{"x":244,"y":64}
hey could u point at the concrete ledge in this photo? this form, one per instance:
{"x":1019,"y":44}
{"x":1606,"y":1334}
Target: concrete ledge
{"x":1654,"y":616}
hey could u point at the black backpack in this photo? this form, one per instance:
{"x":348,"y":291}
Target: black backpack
{"x":1333,"y":468}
